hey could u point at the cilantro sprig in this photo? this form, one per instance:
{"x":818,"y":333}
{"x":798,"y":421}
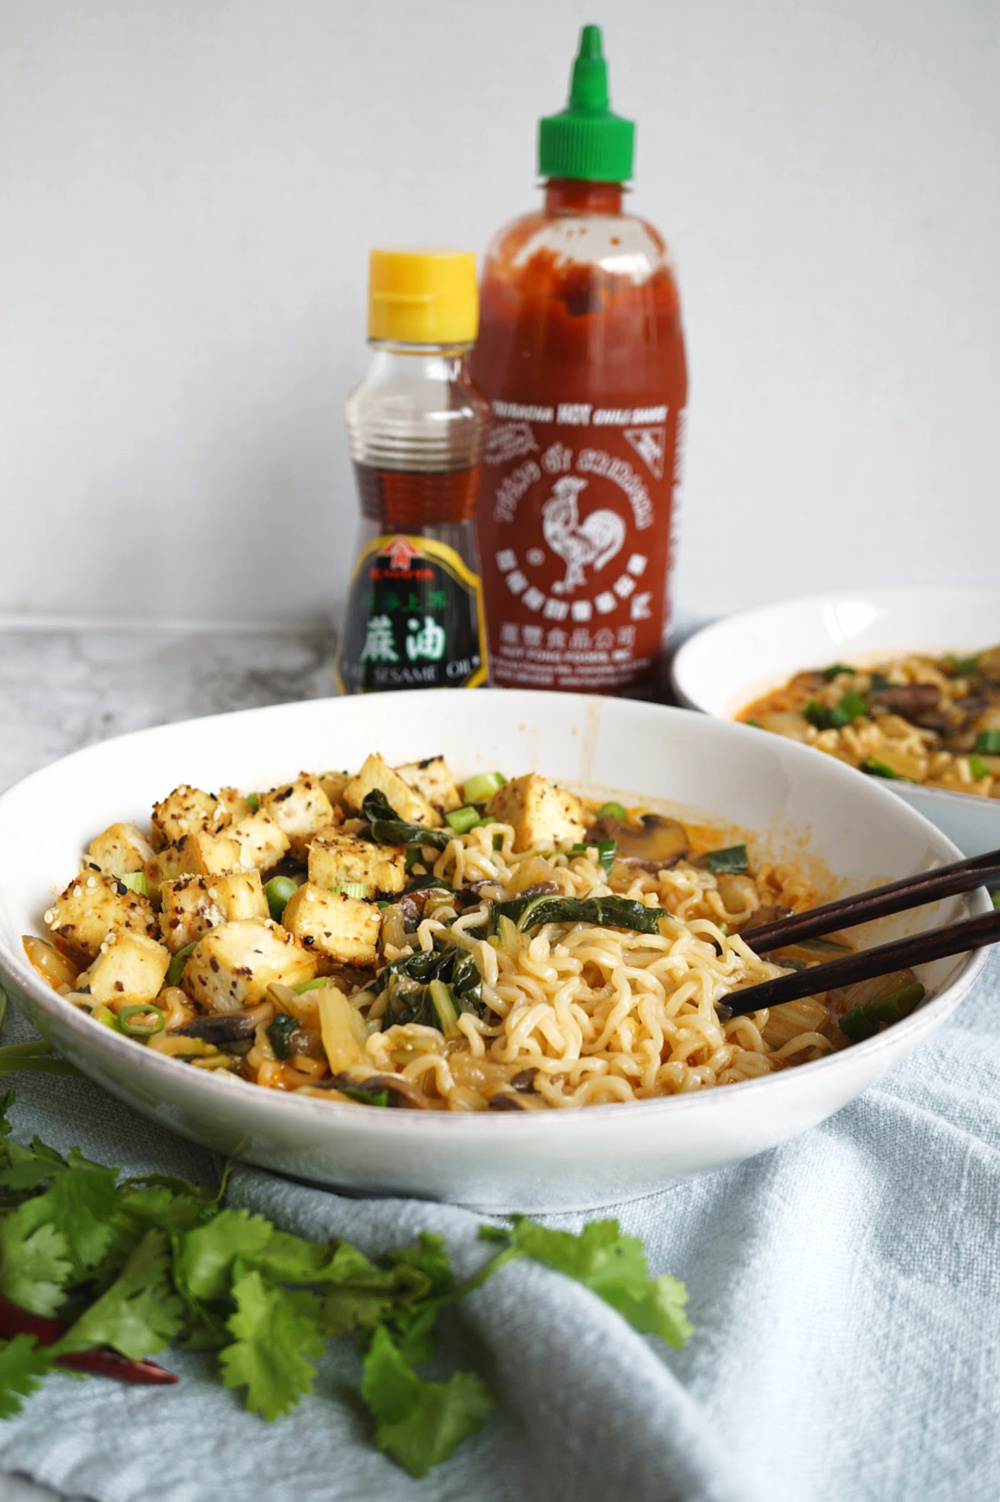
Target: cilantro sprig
{"x":97,"y":1272}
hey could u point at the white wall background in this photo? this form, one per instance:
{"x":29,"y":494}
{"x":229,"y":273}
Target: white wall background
{"x":189,"y":189}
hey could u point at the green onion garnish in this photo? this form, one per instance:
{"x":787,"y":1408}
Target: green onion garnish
{"x":978,"y":767}
{"x":254,"y":801}
{"x":498,"y":842}
{"x":311,"y":985}
{"x":988,"y":742}
{"x":365,"y":1097}
{"x":176,"y":967}
{"x":732,"y":859}
{"x":835,"y":670}
{"x":463,"y":819}
{"x":865,"y":1020}
{"x":352,"y":889}
{"x":613,"y":811}
{"x":279,"y":892}
{"x":141,"y":1009}
{"x":854,"y":704}
{"x":106,"y":1017}
{"x":755,"y":723}
{"x":962,"y":667}
{"x":876,"y":768}
{"x":480,"y":789}
{"x":135,"y":881}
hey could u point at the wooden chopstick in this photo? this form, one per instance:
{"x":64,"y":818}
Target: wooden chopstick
{"x":901,"y":954}
{"x":911,"y":891}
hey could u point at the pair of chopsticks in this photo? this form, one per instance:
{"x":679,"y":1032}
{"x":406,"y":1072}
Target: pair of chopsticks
{"x":866,"y":964}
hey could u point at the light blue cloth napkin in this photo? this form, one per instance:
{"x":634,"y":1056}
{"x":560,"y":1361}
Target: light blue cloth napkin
{"x":845,"y":1294}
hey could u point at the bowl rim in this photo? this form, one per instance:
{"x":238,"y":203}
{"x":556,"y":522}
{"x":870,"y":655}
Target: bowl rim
{"x":18,"y":970}
{"x":882,"y":595}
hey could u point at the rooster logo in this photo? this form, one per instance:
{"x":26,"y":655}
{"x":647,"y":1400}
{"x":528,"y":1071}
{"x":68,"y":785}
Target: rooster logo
{"x":587,"y":544}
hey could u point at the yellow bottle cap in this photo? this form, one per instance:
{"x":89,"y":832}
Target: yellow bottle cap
{"x":423,"y":296}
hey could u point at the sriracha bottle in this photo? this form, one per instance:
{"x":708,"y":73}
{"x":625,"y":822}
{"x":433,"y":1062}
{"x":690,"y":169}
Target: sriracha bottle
{"x":581,"y":355}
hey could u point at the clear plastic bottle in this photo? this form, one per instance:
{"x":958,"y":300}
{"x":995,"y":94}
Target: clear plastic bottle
{"x":416,"y":429}
{"x":581,"y":354}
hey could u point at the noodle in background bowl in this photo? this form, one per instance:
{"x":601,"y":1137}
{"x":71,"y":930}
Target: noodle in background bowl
{"x":725,"y":666}
{"x":847,"y":831}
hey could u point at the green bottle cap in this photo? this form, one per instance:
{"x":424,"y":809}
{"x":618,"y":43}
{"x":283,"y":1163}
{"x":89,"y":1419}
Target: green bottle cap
{"x":586,"y":140}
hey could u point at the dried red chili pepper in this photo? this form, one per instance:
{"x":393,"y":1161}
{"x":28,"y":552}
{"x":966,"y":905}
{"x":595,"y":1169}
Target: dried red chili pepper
{"x":100,"y":1362}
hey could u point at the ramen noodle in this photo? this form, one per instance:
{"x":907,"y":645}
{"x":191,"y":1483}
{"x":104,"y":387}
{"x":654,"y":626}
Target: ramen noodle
{"x":393,"y":938}
{"x":929,"y":720}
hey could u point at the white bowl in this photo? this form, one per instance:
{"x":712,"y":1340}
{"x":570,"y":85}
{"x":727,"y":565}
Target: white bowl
{"x":725,"y":666}
{"x":799,"y":804}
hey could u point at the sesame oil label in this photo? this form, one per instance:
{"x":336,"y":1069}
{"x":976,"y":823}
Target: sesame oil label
{"x":576,"y":536}
{"x":414,"y":619}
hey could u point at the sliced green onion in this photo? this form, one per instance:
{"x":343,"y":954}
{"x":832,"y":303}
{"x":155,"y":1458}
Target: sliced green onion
{"x":254,"y":801}
{"x":865,"y":1020}
{"x":733,"y":859}
{"x":135,"y":881}
{"x":498,"y":842}
{"x":480,"y":789}
{"x":988,"y":742}
{"x":141,"y":1009}
{"x":755,"y":723}
{"x":106,"y":1017}
{"x":176,"y":967}
{"x":876,"y":768}
{"x":280,"y":1034}
{"x":995,"y":896}
{"x":962,"y":667}
{"x":443,"y":1004}
{"x":822,"y":718}
{"x":613,"y":811}
{"x":978,"y":767}
{"x":854,"y":704}
{"x":311,"y":985}
{"x":279,"y":892}
{"x":352,"y":889}
{"x":463,"y":819}
{"x":835,"y":669}
{"x":605,"y":852}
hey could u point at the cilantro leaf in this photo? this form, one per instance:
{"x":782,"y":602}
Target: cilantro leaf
{"x":80,"y":1204}
{"x":276,"y":1332}
{"x":204,"y":1260}
{"x":419,"y":1423}
{"x":22,"y":1362}
{"x":611,"y":1265}
{"x":34,"y":1260}
{"x":139,"y":1314}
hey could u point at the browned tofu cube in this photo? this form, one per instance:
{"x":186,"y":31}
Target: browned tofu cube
{"x":433,"y":781}
{"x":185,"y":810}
{"x":541,"y":813}
{"x":235,"y":963}
{"x":129,"y":967}
{"x":262,"y":842}
{"x":339,"y":930}
{"x":405,"y":802}
{"x":199,"y":854}
{"x":301,"y":809}
{"x":335,"y":859}
{"x":191,"y":905}
{"x":120,"y":850}
{"x":93,"y":906}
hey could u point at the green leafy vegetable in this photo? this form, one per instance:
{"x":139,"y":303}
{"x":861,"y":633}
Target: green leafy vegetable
{"x":280,"y":1034}
{"x":978,"y":767}
{"x":876,"y":768}
{"x":387,"y":828}
{"x":22,"y":1363}
{"x":138,"y":1314}
{"x":853,"y":704}
{"x":988,"y":743}
{"x":962,"y":667}
{"x":732,"y":859}
{"x":865,"y":1020}
{"x":407,"y":981}
{"x":835,"y":670}
{"x":603,"y":912}
{"x":277,"y":1332}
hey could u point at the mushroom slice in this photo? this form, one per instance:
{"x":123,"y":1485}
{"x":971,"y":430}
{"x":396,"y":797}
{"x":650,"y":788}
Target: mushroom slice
{"x":226,"y":1027}
{"x":655,"y":843}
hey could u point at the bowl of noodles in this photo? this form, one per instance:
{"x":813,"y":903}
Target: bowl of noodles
{"x":467,"y":948}
{"x":903,"y":684}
